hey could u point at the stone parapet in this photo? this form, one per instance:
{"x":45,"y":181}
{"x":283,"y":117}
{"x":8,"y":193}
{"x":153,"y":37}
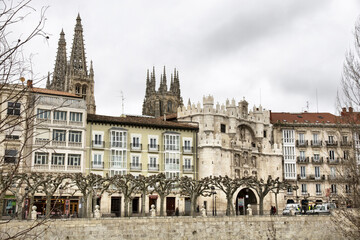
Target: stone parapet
{"x":239,"y":227}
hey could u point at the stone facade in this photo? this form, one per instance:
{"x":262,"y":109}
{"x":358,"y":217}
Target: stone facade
{"x":73,"y":76}
{"x":235,"y":142}
{"x":164,"y":100}
{"x":244,"y":227}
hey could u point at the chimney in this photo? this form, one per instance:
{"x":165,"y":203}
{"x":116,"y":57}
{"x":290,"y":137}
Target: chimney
{"x":350,"y":109}
{"x":29,"y":83}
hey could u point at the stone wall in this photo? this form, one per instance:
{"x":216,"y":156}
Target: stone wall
{"x":241,"y":227}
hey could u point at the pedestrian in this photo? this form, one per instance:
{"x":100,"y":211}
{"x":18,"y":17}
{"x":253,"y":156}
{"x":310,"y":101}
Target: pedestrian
{"x":274,"y":210}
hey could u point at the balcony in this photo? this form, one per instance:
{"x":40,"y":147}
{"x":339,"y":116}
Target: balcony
{"x":75,"y":144}
{"x":301,"y":143}
{"x":98,"y":144}
{"x":41,"y":166}
{"x":331,"y":143}
{"x":317,"y":160}
{"x":153,"y":148}
{"x":42,"y":121}
{"x":302,"y":160}
{"x":57,"y":167}
{"x":59,"y":143}
{"x":135,"y":147}
{"x":42,"y":142}
{"x":75,"y":123}
{"x":316,"y":144}
{"x":135,"y":166}
{"x":311,"y":177}
{"x":97,"y":165}
{"x":60,"y":122}
{"x":73,"y":168}
{"x":187,"y":150}
{"x":188,"y":169}
{"x":346,"y":144}
{"x":153,"y":167}
{"x":332,"y":161}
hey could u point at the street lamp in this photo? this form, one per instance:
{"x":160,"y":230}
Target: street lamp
{"x":213,"y":192}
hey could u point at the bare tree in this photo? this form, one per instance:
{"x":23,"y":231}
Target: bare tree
{"x":163,"y":186}
{"x":194,"y":189}
{"x":144,"y":184}
{"x":229,"y":186}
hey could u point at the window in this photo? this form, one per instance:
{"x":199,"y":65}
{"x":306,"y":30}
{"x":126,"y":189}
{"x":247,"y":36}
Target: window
{"x":169,"y":106}
{"x":346,"y":155}
{"x":290,"y":170}
{"x":288,"y":136}
{"x":187,"y":145}
{"x":317,"y":172}
{"x":152,"y":162}
{"x":117,"y":172}
{"x":118,"y":139}
{"x":316,"y":157}
{"x":316,"y":138}
{"x":332,"y":172}
{"x":187,"y":163}
{"x":331,"y":155}
{"x":171,"y":142}
{"x":135,"y":161}
{"x":97,"y":158}
{"x":347,"y":189}
{"x":331,"y":139}
{"x":118,"y":159}
{"x":59,"y":135}
{"x":12,"y":132}
{"x":43,"y":114}
{"x":289,"y":153}
{"x":75,"y":117}
{"x":75,"y":137}
{"x":223,"y":128}
{"x":41,"y":158}
{"x":302,"y":172}
{"x":302,"y":155}
{"x":98,"y":139}
{"x":318,"y":189}
{"x":264,"y":134}
{"x":301,"y":138}
{"x":345,"y":139}
{"x":74,"y":159}
{"x":171,"y":175}
{"x":303,"y":188}
{"x":13,"y":108}
{"x":77,"y":90}
{"x":136,"y":142}
{"x":289,"y":190}
{"x":58,"y":159}
{"x":172,"y":161}
{"x":10,"y":156}
{"x":333,"y":188}
{"x":153,"y":143}
{"x":60,"y":115}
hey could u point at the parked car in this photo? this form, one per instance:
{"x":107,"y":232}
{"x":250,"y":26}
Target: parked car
{"x":296,"y":207}
{"x":324,"y":208}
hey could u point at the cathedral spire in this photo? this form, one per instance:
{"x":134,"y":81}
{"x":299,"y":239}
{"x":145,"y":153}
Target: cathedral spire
{"x":148,"y":83}
{"x":59,"y":75}
{"x":91,"y":69}
{"x":77,"y":58}
{"x":48,"y":81}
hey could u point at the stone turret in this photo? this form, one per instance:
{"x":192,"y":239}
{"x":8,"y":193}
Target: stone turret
{"x":59,"y":75}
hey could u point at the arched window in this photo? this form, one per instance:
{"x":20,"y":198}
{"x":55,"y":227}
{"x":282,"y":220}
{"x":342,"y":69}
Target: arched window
{"x":84,"y":89}
{"x":77,"y":89}
{"x":169,"y":106}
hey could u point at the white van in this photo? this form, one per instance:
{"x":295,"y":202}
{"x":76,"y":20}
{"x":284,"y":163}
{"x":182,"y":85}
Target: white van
{"x":296,"y":207}
{"x":324,"y":208}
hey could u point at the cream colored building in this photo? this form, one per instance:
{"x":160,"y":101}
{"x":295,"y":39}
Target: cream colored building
{"x":236,"y":142}
{"x":140,"y":145}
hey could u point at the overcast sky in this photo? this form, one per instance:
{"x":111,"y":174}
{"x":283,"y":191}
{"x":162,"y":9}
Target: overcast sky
{"x":275,"y":52}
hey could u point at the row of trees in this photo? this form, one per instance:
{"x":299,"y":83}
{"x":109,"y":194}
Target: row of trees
{"x":92,"y":186}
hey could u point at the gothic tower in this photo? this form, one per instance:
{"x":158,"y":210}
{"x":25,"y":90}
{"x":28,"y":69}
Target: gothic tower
{"x":73,"y":76}
{"x":164,"y":100}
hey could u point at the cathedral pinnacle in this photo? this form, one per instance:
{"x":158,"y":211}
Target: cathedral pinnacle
{"x":77,"y":58}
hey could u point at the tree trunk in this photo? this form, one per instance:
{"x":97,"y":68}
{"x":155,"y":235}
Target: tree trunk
{"x":143,"y":203}
{"x":126,"y":207}
{"x":48,"y":206}
{"x":1,"y":204}
{"x":229,"y":206}
{"x":162,"y":200}
{"x":19,"y":204}
{"x":276,"y":204}
{"x":85,"y":206}
{"x":193,"y":206}
{"x":31,"y":203}
{"x":261,"y":205}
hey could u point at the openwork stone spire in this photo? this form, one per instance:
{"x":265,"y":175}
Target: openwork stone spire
{"x":77,"y":58}
{"x":59,"y":75}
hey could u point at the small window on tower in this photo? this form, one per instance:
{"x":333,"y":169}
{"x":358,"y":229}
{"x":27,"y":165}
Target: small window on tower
{"x":77,"y":90}
{"x":223,"y":128}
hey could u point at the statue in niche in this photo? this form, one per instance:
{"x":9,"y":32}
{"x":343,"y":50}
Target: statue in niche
{"x":245,"y":158}
{"x":253,"y":161}
{"x":242,"y":134}
{"x":237,"y":160}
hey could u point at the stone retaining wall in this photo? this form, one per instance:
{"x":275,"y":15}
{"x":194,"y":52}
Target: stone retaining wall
{"x":241,"y":227}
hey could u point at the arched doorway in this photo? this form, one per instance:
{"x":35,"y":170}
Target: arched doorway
{"x":245,"y":196}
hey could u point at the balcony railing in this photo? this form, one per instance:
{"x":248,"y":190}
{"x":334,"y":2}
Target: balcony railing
{"x":311,"y":177}
{"x":187,"y":150}
{"x":153,"y":167}
{"x":59,"y":143}
{"x":60,"y":122}
{"x":187,"y":168}
{"x":41,"y":166}
{"x":98,"y":144}
{"x":73,"y":167}
{"x":333,"y":161}
{"x":346,"y":144}
{"x":316,"y":143}
{"x":303,"y":160}
{"x":331,"y":143}
{"x":135,"y":166}
{"x":302,"y":143}
{"x":75,"y":144}
{"x":42,"y":142}
{"x":97,"y":165}
{"x":135,"y":147}
{"x":153,"y":147}
{"x":317,"y":160}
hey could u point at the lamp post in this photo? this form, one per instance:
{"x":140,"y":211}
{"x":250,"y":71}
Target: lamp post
{"x":213,"y":192}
